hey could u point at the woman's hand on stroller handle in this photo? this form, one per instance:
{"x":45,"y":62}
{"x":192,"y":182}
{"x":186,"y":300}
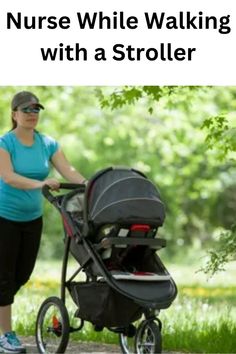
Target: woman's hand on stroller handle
{"x":47,"y":188}
{"x":52,"y":183}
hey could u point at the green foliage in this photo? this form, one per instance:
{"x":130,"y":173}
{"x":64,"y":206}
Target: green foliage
{"x":130,"y":95}
{"x":218,"y":134}
{"x":224,"y":252}
{"x":220,"y":139}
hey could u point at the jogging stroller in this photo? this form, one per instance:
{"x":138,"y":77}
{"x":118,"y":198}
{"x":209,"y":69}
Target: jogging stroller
{"x":111,"y":231}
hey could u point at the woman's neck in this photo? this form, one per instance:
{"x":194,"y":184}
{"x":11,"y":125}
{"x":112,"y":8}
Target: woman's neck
{"x":26,"y":136}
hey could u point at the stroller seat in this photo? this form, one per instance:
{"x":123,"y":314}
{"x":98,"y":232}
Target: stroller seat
{"x":123,"y":250}
{"x":139,"y":276}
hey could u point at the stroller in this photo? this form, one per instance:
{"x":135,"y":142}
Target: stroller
{"x":111,"y":231}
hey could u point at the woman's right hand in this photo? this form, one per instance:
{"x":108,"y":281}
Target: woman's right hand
{"x":52,"y":183}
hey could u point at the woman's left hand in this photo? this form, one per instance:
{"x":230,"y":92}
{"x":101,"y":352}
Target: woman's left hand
{"x":53,"y":183}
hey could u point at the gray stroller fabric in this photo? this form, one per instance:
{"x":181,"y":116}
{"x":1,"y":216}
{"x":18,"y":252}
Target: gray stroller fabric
{"x":124,"y":196}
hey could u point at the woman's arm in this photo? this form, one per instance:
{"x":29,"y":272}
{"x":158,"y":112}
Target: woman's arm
{"x":15,"y":180}
{"x":67,"y":171}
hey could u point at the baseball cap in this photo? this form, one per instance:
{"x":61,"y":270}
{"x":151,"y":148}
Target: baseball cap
{"x":24,"y":99}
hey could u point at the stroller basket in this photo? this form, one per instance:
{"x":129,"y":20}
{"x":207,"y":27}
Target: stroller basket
{"x":102,"y":305}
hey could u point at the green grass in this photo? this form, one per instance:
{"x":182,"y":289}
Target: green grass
{"x":201,"y":320}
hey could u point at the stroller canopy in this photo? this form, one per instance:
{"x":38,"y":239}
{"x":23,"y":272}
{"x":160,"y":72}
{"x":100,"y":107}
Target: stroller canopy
{"x":123,"y":196}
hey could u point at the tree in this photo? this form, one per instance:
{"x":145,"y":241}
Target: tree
{"x":221,"y":135}
{"x":220,"y":139}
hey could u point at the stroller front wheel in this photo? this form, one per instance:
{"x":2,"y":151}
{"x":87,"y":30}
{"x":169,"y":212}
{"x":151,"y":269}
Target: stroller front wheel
{"x":148,"y":338}
{"x":52,"y":326}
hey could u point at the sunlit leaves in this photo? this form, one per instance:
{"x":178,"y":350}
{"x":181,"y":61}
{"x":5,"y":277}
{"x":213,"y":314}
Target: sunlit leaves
{"x":218,"y":134}
{"x":127,"y":95}
{"x":223,"y":252}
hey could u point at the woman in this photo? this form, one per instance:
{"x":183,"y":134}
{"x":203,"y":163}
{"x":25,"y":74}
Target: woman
{"x":25,"y":156}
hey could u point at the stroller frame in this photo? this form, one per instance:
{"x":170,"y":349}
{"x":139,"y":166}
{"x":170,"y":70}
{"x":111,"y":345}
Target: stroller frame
{"x":148,"y":331}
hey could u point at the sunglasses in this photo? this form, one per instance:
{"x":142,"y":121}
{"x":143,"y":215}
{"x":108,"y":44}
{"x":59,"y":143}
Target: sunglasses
{"x":30,"y":110}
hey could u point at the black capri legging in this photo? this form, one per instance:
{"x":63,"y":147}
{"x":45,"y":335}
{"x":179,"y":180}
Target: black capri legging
{"x":19,"y":245}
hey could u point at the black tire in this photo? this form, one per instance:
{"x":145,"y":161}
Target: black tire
{"x":52,"y":326}
{"x":126,"y":340}
{"x":148,"y":338}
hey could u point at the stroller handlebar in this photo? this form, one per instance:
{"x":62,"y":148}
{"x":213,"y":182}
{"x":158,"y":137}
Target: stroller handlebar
{"x":51,"y":198}
{"x":70,"y":185}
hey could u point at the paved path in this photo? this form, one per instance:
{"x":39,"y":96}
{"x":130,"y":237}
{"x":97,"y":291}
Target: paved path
{"x":80,"y":347}
{"x":75,"y":347}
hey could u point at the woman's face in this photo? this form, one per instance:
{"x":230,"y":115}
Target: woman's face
{"x":27,"y":117}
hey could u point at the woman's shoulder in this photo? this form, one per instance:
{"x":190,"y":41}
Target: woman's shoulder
{"x":7,"y":139}
{"x":46,"y":139}
{"x":50,"y":144}
{"x":7,"y":135}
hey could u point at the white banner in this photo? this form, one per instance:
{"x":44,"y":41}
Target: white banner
{"x":125,"y":42}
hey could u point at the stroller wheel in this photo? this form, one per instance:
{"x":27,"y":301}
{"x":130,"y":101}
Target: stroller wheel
{"x":148,"y":338}
{"x":52,"y":326}
{"x":126,"y":339}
